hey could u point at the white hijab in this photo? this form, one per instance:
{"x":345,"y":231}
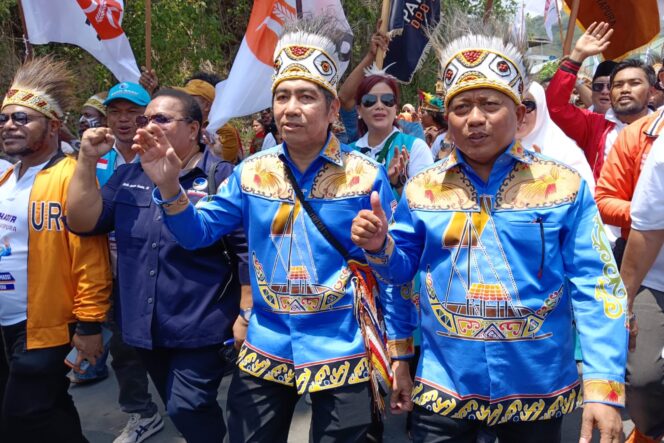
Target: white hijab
{"x":547,"y":138}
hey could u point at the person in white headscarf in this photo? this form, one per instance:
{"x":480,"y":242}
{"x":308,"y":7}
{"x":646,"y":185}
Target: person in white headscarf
{"x":539,"y":133}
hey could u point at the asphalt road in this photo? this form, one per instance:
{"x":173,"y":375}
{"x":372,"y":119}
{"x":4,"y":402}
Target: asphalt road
{"x":103,"y":420}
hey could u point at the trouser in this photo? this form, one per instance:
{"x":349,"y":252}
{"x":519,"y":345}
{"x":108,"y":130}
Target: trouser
{"x":645,"y":365}
{"x":430,"y":427}
{"x":188,"y":382}
{"x":36,"y":406}
{"x":260,"y":411}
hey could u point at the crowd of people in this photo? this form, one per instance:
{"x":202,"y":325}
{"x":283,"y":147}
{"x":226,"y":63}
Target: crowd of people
{"x":486,"y":262}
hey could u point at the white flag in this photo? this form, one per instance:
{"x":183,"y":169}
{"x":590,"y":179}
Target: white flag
{"x":94,"y":25}
{"x":247,"y":89}
{"x":519,"y":25}
{"x":550,"y":16}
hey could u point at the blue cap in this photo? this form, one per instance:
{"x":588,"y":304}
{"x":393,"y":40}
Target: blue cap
{"x":129,"y":91}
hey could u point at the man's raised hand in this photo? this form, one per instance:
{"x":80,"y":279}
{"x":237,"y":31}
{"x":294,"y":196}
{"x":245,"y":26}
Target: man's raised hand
{"x":369,"y":228}
{"x":158,"y":158}
{"x":96,"y":142}
{"x":594,"y":41}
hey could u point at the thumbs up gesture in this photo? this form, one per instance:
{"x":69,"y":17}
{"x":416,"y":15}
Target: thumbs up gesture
{"x":369,"y":228}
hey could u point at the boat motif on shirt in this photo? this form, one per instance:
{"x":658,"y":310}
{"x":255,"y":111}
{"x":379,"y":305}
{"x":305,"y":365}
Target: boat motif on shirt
{"x":290,"y":284}
{"x":538,"y":184}
{"x":490,"y":309}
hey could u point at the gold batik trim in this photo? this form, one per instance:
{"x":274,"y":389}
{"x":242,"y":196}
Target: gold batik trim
{"x":604,"y":391}
{"x":383,"y":256}
{"x":514,"y":409}
{"x":316,"y":377}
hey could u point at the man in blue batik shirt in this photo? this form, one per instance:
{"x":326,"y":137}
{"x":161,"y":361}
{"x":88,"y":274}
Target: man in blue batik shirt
{"x":510,"y":249}
{"x":303,"y":336}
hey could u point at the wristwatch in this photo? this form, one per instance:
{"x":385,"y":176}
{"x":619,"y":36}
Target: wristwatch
{"x":245,"y":314}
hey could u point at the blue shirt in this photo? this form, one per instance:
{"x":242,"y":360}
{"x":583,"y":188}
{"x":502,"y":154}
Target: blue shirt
{"x":168,"y":296}
{"x":302,"y":331}
{"x":506,"y":266}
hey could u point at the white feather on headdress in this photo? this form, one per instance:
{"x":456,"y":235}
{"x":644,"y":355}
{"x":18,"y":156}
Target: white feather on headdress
{"x":308,"y":49}
{"x":375,"y":70}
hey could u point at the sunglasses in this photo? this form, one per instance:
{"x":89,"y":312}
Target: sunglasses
{"x":530,"y":106}
{"x":600,"y":86}
{"x":369,"y":100}
{"x":159,"y":119}
{"x":19,"y":118}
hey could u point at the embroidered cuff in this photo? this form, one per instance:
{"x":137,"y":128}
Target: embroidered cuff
{"x":604,"y":391}
{"x":570,"y":66}
{"x":401,"y":348}
{"x":383,"y":255}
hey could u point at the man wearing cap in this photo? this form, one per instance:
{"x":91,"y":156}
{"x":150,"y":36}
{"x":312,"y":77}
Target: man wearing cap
{"x":303,"y":336}
{"x":628,"y":88}
{"x":123,"y":103}
{"x":201,"y":87}
{"x":93,"y":113}
{"x":54,"y":286}
{"x":510,"y":249}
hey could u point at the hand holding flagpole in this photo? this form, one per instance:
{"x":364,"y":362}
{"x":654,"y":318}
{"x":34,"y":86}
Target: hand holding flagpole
{"x":385,"y":19}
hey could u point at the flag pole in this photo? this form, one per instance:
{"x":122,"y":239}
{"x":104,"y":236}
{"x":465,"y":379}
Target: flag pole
{"x":148,"y":35}
{"x":26,"y":40}
{"x":385,"y":18}
{"x":567,"y":46}
{"x":560,"y":22}
{"x":298,"y":8}
{"x":487,"y":10}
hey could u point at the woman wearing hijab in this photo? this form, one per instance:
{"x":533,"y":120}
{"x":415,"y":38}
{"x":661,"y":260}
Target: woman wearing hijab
{"x":539,"y":133}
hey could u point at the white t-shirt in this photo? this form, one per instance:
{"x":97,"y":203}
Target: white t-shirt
{"x":420,"y":154}
{"x":4,"y":165}
{"x":647,"y":208}
{"x":14,"y":201}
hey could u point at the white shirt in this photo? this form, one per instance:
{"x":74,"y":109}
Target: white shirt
{"x":14,"y":201}
{"x":4,"y":165}
{"x":420,"y":154}
{"x":647,"y":208}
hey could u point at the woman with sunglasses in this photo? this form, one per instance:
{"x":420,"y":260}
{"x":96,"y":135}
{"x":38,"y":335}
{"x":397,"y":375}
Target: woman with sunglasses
{"x":539,"y":133}
{"x":403,"y":155}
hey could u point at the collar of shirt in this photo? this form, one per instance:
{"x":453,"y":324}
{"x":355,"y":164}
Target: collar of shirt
{"x":612,"y":117}
{"x":330,"y":152}
{"x":119,"y":158}
{"x":363,"y":143}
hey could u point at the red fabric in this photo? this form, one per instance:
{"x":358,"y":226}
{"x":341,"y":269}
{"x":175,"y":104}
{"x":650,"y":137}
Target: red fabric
{"x":588,"y":129}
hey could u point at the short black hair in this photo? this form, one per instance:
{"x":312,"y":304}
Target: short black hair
{"x":635,"y":63}
{"x":207,"y":77}
{"x":190,"y":106}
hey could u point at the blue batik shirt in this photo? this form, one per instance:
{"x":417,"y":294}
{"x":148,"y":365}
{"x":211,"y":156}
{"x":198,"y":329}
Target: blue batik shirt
{"x":302,"y":331}
{"x":506,"y":266}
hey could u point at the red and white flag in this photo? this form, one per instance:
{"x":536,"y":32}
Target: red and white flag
{"x":550,"y":16}
{"x":247,"y":88}
{"x":94,"y":25}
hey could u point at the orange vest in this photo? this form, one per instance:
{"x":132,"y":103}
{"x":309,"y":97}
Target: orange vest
{"x":69,"y":277}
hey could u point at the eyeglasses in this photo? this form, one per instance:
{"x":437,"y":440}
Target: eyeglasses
{"x":600,"y":86}
{"x":530,"y":106}
{"x":19,"y":118}
{"x":160,"y":119}
{"x":369,"y":100}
